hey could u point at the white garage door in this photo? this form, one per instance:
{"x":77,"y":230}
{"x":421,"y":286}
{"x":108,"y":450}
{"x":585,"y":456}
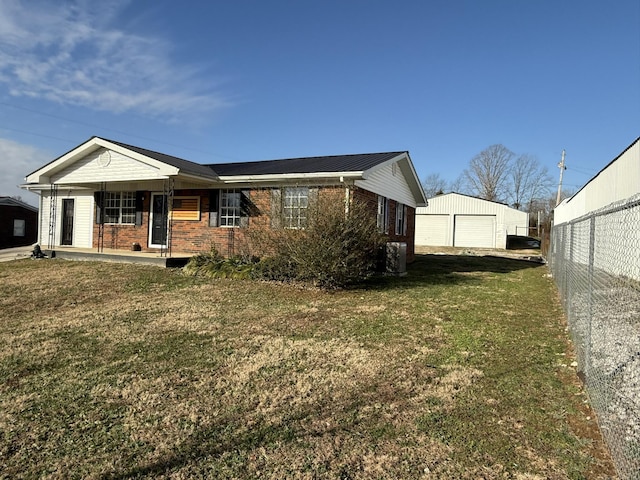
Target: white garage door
{"x":475,"y":231}
{"x":432,"y":230}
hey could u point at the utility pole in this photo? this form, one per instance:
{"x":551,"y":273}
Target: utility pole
{"x":562,"y":168}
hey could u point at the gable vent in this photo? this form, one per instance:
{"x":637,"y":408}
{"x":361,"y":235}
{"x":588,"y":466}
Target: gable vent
{"x":104,"y":159}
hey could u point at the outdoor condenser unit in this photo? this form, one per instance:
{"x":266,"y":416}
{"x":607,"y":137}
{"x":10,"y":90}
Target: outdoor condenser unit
{"x":396,"y":258}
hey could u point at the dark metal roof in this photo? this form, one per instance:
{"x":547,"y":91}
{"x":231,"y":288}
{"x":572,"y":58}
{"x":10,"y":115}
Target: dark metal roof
{"x":185,"y":166}
{"x":13,"y":202}
{"x":329,"y":164}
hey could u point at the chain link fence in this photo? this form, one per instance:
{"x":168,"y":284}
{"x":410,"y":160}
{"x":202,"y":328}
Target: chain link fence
{"x":595,"y":261}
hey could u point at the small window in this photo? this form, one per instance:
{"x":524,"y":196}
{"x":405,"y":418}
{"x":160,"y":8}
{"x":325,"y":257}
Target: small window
{"x":19,"y":227}
{"x":230,"y":208}
{"x":401,"y":219}
{"x":382,"y":217}
{"x":295,"y":207}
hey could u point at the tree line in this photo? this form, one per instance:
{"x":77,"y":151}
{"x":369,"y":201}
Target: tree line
{"x":499,"y":175}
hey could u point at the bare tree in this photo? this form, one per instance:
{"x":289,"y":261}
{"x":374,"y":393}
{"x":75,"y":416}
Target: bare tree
{"x":487,"y":176}
{"x":433,"y":184}
{"x":528,"y":180}
{"x":541,"y":208}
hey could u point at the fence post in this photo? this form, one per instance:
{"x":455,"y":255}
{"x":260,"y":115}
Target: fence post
{"x":590,"y":296}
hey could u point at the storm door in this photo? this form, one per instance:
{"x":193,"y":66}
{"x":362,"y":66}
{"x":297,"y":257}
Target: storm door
{"x":67,"y":221}
{"x":159,"y":220}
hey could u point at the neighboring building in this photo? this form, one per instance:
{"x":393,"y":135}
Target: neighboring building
{"x":106,"y":194}
{"x":18,"y":223}
{"x":455,"y":220}
{"x":619,"y":180}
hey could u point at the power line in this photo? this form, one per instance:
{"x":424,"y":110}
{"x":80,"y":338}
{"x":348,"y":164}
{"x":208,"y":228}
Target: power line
{"x":37,"y":134}
{"x":90,"y":125}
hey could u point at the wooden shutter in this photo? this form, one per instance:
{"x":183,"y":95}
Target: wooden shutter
{"x":245,"y":207}
{"x":139,"y":206}
{"x":214,"y":207}
{"x":276,"y":208}
{"x":99,"y":199}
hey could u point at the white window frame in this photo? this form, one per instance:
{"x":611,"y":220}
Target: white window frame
{"x":120,"y":208}
{"x":401,"y":219}
{"x":230,"y":208}
{"x":382,"y":216}
{"x":295,"y":207}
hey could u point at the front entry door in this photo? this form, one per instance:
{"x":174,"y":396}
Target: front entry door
{"x":67,"y":221}
{"x":159,"y":220}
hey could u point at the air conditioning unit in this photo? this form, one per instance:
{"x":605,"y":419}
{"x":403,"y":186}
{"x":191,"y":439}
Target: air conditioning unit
{"x":396,"y":254}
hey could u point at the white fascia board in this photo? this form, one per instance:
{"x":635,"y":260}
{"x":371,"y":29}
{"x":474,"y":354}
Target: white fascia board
{"x":40,"y":187}
{"x":197,"y":178}
{"x":291,"y":177}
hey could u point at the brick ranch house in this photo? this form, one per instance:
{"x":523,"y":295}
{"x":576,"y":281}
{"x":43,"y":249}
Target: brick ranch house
{"x":106,"y":194}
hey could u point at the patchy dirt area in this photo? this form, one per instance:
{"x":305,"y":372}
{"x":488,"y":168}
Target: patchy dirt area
{"x":532,"y":254}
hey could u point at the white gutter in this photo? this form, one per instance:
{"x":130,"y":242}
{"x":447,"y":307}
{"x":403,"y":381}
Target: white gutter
{"x":339,"y":176}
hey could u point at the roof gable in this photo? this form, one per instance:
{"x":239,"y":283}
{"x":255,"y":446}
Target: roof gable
{"x":468,"y":196}
{"x":164,"y":165}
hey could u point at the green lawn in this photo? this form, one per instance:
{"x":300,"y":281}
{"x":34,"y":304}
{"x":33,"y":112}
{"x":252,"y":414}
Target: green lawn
{"x":461,"y":369}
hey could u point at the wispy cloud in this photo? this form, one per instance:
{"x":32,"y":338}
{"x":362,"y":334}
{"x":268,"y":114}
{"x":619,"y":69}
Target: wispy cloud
{"x":16,"y":161}
{"x":70,"y":52}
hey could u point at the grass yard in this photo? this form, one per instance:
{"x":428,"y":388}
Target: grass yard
{"x":461,"y":369}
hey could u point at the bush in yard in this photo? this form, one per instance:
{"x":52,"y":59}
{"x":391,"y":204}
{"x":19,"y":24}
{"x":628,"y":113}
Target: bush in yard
{"x":214,"y":265}
{"x":339,"y":245}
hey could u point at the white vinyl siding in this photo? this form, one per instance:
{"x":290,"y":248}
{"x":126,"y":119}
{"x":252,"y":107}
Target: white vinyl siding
{"x":475,"y":231}
{"x":390,"y":182}
{"x":82,"y":222}
{"x":119,"y":168}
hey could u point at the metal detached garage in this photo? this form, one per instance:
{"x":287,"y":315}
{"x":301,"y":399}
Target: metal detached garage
{"x":456,"y":220}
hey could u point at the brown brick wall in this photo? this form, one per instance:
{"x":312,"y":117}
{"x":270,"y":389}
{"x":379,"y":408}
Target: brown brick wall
{"x":409,"y":238}
{"x":195,"y":236}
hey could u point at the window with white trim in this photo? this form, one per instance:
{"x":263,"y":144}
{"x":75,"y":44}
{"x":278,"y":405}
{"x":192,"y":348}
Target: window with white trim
{"x":295,"y":207}
{"x":382,"y":216}
{"x":401,"y":219}
{"x":120,"y":207}
{"x":230,"y":208}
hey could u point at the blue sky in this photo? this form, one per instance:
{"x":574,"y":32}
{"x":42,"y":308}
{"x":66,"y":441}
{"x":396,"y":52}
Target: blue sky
{"x":247,"y":80}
